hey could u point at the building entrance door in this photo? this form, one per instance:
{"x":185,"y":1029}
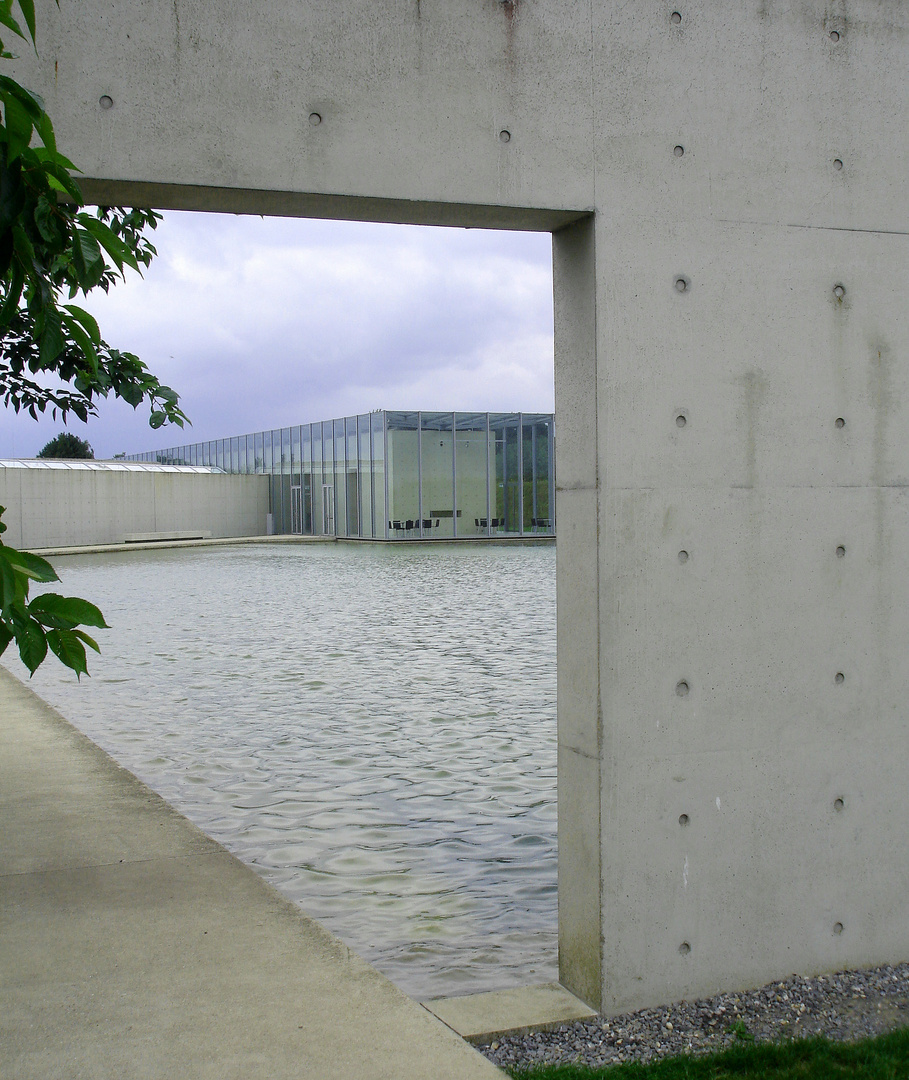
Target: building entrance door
{"x":328,"y":509}
{"x":296,"y":509}
{"x":353,"y":504}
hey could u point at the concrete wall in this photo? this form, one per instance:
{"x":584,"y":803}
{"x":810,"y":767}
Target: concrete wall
{"x":713,"y":171}
{"x":66,"y":508}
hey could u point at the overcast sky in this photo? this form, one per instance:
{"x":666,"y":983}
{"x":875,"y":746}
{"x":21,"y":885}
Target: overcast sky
{"x":266,"y":323}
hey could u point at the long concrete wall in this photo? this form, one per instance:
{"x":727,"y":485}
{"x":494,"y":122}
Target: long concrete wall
{"x":726,"y":184}
{"x":66,"y":508}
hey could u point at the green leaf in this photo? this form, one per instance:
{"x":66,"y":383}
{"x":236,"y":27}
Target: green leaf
{"x":31,"y":102}
{"x":83,"y":341}
{"x":32,"y":643}
{"x":111,"y":243}
{"x":130,"y":393}
{"x":6,"y":254}
{"x":88,"y":258}
{"x":11,"y":302}
{"x":68,"y":649}
{"x":59,"y":178}
{"x":68,"y":609}
{"x":24,"y":249}
{"x":13,"y":191}
{"x":45,"y":130}
{"x":46,"y":220}
{"x":51,"y":343}
{"x":32,"y":566}
{"x":81,"y":634}
{"x":47,"y":156}
{"x":8,"y":581}
{"x":27,"y":7}
{"x":19,"y":126}
{"x":88,"y":321}
{"x":6,"y":636}
{"x":7,"y":20}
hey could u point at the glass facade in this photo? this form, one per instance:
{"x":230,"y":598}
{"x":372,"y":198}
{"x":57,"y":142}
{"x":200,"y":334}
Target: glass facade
{"x":398,"y":475}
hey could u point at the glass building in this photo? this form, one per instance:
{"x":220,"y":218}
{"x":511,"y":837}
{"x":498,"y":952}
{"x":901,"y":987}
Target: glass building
{"x":397,"y":475}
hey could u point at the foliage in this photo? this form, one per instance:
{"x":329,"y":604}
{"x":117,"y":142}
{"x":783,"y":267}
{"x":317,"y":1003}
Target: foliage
{"x":52,"y":249}
{"x":49,"y":621}
{"x":66,"y":445}
{"x":883,"y":1058}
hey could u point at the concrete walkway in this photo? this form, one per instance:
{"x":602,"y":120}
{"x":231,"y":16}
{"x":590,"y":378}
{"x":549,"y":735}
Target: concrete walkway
{"x":131,"y":945}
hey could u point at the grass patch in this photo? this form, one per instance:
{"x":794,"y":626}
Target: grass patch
{"x":883,"y":1058}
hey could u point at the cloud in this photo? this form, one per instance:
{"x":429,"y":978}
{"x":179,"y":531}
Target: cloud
{"x":263,"y":323}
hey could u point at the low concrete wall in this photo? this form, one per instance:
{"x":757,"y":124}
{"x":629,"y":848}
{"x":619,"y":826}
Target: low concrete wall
{"x":64,"y":508}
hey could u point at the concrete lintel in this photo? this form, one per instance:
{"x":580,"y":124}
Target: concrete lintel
{"x":480,"y":1017}
{"x":228,"y":200}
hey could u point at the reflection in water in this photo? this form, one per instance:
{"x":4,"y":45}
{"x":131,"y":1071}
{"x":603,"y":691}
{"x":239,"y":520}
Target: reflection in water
{"x":371,"y":728}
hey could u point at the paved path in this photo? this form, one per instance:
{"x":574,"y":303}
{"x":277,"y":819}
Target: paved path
{"x":131,"y":945}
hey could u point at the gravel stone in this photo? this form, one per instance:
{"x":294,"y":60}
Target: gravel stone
{"x":845,"y":1006}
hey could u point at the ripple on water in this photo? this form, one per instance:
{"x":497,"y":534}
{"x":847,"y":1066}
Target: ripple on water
{"x":372,"y":728}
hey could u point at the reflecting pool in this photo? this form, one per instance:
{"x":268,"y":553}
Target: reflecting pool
{"x":372,"y":728}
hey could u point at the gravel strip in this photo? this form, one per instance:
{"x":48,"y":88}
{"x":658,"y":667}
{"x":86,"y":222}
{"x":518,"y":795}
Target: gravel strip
{"x":845,"y":1006}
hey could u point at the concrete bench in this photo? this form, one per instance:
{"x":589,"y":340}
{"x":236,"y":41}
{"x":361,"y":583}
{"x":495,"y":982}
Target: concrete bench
{"x":163,"y":537}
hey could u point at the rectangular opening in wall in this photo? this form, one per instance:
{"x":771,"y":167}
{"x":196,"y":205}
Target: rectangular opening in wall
{"x":383,"y":744}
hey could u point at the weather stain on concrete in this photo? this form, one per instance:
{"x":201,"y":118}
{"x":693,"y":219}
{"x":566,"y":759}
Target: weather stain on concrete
{"x":754,"y":392}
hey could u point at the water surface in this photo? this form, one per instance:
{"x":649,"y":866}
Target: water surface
{"x":372,"y":728}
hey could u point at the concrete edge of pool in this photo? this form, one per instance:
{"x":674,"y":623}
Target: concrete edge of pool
{"x":157,"y":545}
{"x":135,"y":945}
{"x":479,"y":1018}
{"x":283,"y":538}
